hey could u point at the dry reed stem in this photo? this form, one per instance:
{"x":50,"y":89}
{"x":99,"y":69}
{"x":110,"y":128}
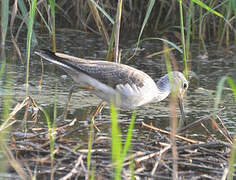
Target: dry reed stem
{"x":75,"y":170}
{"x":18,"y":167}
{"x":17,"y":108}
{"x":99,"y":22}
{"x":224,"y":131}
{"x":159,"y":159}
{"x":117,"y":31}
{"x":167,"y":132}
{"x":195,"y":123}
{"x":174,"y":124}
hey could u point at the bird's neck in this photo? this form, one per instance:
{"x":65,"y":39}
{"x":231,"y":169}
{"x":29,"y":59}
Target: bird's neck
{"x":164,"y":88}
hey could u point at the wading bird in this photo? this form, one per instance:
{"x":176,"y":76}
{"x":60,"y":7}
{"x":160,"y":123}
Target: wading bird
{"x":122,"y":85}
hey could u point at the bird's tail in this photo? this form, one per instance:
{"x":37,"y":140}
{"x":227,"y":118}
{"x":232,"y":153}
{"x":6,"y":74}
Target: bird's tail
{"x":53,"y":58}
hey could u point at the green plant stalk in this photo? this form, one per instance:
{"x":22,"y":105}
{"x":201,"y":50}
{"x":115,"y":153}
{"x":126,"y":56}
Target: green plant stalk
{"x":118,"y":151}
{"x":92,"y":177}
{"x":116,"y":140}
{"x":189,"y":28}
{"x":234,"y":9}
{"x":164,"y":41}
{"x":220,"y":29}
{"x":3,"y":65}
{"x":129,"y":135}
{"x":98,"y":21}
{"x":52,"y":4}
{"x":200,"y":35}
{"x":29,"y":36}
{"x":131,"y":167}
{"x":111,"y":43}
{"x":103,"y":12}
{"x":228,"y":15}
{"x":53,"y":128}
{"x":50,"y":131}
{"x":24,"y":12}
{"x":193,"y":25}
{"x":4,"y":19}
{"x":232,"y":159}
{"x":126,"y":146}
{"x":52,"y":135}
{"x":174,"y":121}
{"x":117,"y":34}
{"x":115,"y":134}
{"x":147,"y":15}
{"x":183,"y":38}
{"x":167,"y":62}
{"x":7,"y":103}
{"x":201,"y":4}
{"x":149,"y":10}
{"x":232,"y":85}
{"x":90,"y":142}
{"x":159,"y":16}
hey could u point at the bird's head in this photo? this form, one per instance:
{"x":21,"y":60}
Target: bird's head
{"x":174,"y":83}
{"x":178,"y":83}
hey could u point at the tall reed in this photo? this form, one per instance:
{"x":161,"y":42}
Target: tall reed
{"x":53,"y":23}
{"x":29,"y":37}
{"x":51,"y":133}
{"x":4,"y":20}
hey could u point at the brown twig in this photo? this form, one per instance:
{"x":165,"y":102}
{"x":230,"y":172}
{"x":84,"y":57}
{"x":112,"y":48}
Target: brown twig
{"x":167,"y":132}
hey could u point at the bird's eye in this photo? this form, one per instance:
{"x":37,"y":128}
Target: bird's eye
{"x":185,"y":85}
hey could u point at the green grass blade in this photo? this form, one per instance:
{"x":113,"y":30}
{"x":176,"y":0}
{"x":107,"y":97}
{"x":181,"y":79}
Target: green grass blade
{"x":232,"y":85}
{"x":116,"y":142}
{"x":3,"y":65}
{"x":29,"y":36}
{"x":46,"y":116}
{"x":183,"y":39}
{"x":189,"y":28}
{"x":232,"y":160}
{"x":164,"y":40}
{"x":52,"y":4}
{"x":51,"y":132}
{"x":129,"y":135}
{"x":111,"y":43}
{"x":4,"y":19}
{"x":103,"y":11}
{"x":207,"y":8}
{"x":90,"y":143}
{"x":115,"y":134}
{"x":117,"y":32}
{"x":149,"y":10}
{"x":53,"y":127}
{"x":6,"y":105}
{"x":125,"y":148}
{"x":25,"y":13}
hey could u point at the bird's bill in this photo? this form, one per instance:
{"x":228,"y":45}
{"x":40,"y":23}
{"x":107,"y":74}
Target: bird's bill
{"x":181,"y":107}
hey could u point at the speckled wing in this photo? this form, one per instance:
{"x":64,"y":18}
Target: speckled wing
{"x":109,"y":73}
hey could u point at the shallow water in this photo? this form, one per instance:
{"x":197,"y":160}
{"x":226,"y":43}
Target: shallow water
{"x":199,"y":99}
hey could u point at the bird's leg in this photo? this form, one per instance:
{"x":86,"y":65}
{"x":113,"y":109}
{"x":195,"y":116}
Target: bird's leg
{"x":70,"y":95}
{"x":68,"y":101}
{"x":98,"y":110}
